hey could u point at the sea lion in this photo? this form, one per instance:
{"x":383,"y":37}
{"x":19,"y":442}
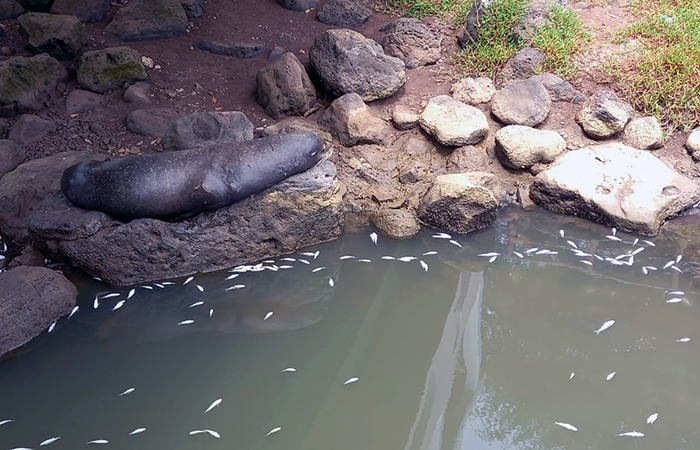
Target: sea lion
{"x":177,"y":185}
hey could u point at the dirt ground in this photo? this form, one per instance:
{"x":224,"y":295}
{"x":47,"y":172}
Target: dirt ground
{"x":189,"y":80}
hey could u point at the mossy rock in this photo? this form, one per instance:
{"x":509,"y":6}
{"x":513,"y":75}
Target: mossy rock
{"x":143,"y":20}
{"x":26,"y":82}
{"x":110,"y":68}
{"x":37,"y":5}
{"x":61,"y":36}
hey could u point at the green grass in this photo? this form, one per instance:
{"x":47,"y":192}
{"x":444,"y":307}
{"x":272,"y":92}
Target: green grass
{"x":561,"y":39}
{"x":663,"y":77}
{"x":452,"y":10}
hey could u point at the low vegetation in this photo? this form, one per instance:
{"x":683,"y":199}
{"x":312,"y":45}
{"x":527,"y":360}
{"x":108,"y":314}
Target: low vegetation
{"x":452,"y":10}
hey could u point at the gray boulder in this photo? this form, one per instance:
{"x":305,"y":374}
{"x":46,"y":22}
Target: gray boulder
{"x":298,"y":5}
{"x":461,"y":202}
{"x":30,"y":128}
{"x":643,"y":133}
{"x":25,"y":83}
{"x":536,"y":16}
{"x":396,"y":223}
{"x":151,"y":121}
{"x":520,"y":147}
{"x":110,"y":68}
{"x":30,"y":257}
{"x":352,"y":122}
{"x":193,"y":8}
{"x":524,"y":102}
{"x":692,"y":144}
{"x":61,"y":36}
{"x":80,"y":100}
{"x":36,"y":5}
{"x":348,"y":62}
{"x":452,"y":122}
{"x":137,"y":93}
{"x":604,"y":115}
{"x":142,"y":20}
{"x":284,"y":87}
{"x":10,"y":156}
{"x":523,"y":64}
{"x":31,"y":299}
{"x":615,"y":185}
{"x":559,"y":90}
{"x":344,"y":13}
{"x":84,"y":10}
{"x":240,"y":50}
{"x":206,"y":128}
{"x":412,"y":42}
{"x":473,"y":91}
{"x":9,"y":9}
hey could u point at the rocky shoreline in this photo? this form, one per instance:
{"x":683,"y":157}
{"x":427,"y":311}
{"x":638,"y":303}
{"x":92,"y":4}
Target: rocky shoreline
{"x":448,"y":157}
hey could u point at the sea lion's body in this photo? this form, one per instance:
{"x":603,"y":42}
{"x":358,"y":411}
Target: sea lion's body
{"x":180,"y":184}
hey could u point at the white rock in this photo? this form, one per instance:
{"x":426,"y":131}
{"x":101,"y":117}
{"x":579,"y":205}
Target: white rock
{"x":643,"y":133}
{"x":452,"y":122}
{"x":520,"y":147}
{"x":473,"y":91}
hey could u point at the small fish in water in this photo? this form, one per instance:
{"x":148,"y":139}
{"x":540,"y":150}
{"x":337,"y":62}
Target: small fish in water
{"x":568,"y":426}
{"x":237,"y":286}
{"x":571,"y":377}
{"x":442,"y":236}
{"x":561,"y":233}
{"x":610,"y":376}
{"x":131,"y":294}
{"x":211,"y":313}
{"x":289,"y":369}
{"x":373,"y":236}
{"x":288,"y":259}
{"x":196,"y":304}
{"x":676,"y":269}
{"x":651,"y":419}
{"x":351,"y":380}
{"x":147,"y":287}
{"x":331,"y":283}
{"x":645,"y":271}
{"x":303,"y":261}
{"x":572,"y":243}
{"x":532,"y":250}
{"x":286,"y":267}
{"x":432,"y":252}
{"x":214,"y":404}
{"x":613,"y":238}
{"x":518,"y":254}
{"x":210,"y":432}
{"x":201,"y":289}
{"x":685,"y":339}
{"x":598,"y":257}
{"x":189,"y":279}
{"x":678,"y":258}
{"x":639,"y":250}
{"x":50,"y":441}
{"x":544,"y":251}
{"x":119,"y":305}
{"x":273,"y":431}
{"x":588,"y":263}
{"x":674,"y":300}
{"x":186,"y":322}
{"x":312,"y":254}
{"x":137,"y":431}
{"x":676,"y":293}
{"x":167,"y":283}
{"x":492,"y":259}
{"x":614,"y":231}
{"x":636,"y":240}
{"x":268,"y":315}
{"x":407,"y":258}
{"x":668,"y":264}
{"x":127,"y":392}
{"x":112,"y":295}
{"x":605,"y":326}
{"x":99,"y":441}
{"x":388,"y":258}
{"x":649,"y":243}
{"x":317,"y":269}
{"x":489,"y":254}
{"x":347,"y":257}
{"x":52,"y":326}
{"x":3,"y":422}
{"x":632,"y":434}
{"x":453,"y":242}
{"x":364,"y":260}
{"x":423,"y":265}
{"x":73,"y":311}
{"x":231,"y":277}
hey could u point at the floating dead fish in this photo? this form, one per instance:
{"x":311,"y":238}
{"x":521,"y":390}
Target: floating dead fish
{"x":645,"y":271}
{"x":685,"y":339}
{"x":614,"y":231}
{"x":605,"y":326}
{"x":137,"y":431}
{"x":636,"y":240}
{"x":347,"y":257}
{"x":268,"y":315}
{"x":231,"y":277}
{"x":388,"y":258}
{"x":373,"y":236}
{"x":211,"y":313}
{"x":676,"y":293}
{"x":273,"y":431}
{"x":674,"y":300}
{"x":159,"y":285}
{"x":52,"y":326}
{"x":678,"y":258}
{"x":288,"y":259}
{"x":676,"y":269}
{"x":407,"y":258}
{"x":442,"y":236}
{"x":632,"y":434}
{"x":610,"y":376}
{"x":652,"y":418}
{"x":131,"y":294}
{"x":598,"y":257}
{"x":561,"y":233}
{"x":99,"y":441}
{"x":432,"y":252}
{"x":453,"y":242}
{"x":119,"y":304}
{"x":364,"y":260}
{"x":304,"y":261}
{"x":424,"y":265}
{"x":532,"y":250}
{"x":195,"y":304}
{"x":289,"y":369}
{"x":638,"y":250}
{"x":147,"y":287}
{"x":186,"y":322}
{"x":167,"y":283}
{"x":518,"y":254}
{"x":112,"y":295}
{"x":492,"y":259}
{"x":286,"y":267}
{"x":3,"y":422}
{"x":544,"y":251}
{"x":210,"y":432}
{"x":571,"y":377}
{"x":189,"y":279}
{"x":568,"y":426}
{"x":669,"y":264}
{"x":572,"y":243}
{"x":317,"y":269}
{"x":214,"y":404}
{"x":613,"y":238}
{"x":127,"y":392}
{"x":588,"y":263}
{"x":201,"y":289}
{"x":351,"y":380}
{"x":311,"y":254}
{"x":237,"y":286}
{"x":489,"y":254}
{"x":50,"y":441}
{"x":331,"y":283}
{"x":649,"y":243}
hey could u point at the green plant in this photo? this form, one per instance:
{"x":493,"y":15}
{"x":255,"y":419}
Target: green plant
{"x":455,"y":10}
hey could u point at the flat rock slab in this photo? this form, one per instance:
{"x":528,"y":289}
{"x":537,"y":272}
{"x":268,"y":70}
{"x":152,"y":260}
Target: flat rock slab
{"x":31,"y":299}
{"x":204,"y":128}
{"x":241,"y":50}
{"x":142,"y":20}
{"x":452,"y":122}
{"x":615,"y":185}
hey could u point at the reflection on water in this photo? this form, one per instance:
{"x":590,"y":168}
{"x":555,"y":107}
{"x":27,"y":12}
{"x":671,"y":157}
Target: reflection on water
{"x":470,"y":354}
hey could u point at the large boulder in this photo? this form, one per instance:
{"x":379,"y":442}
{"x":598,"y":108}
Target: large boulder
{"x":31,"y":299}
{"x":452,"y":122}
{"x":84,"y":10}
{"x":411,"y":41}
{"x":524,"y":102}
{"x":25,"y":83}
{"x":151,"y":121}
{"x":284,"y":87}
{"x":10,"y":156}
{"x":298,"y":5}
{"x":110,"y":68}
{"x":30,"y":127}
{"x":142,"y":20}
{"x":352,"y":122}
{"x":36,"y":5}
{"x":396,"y":223}
{"x":344,"y":13}
{"x":604,"y":115}
{"x":461,"y":202}
{"x":205,"y":128}
{"x":61,"y":36}
{"x":9,"y":9}
{"x":615,"y":185}
{"x":348,"y":62}
{"x":520,"y":147}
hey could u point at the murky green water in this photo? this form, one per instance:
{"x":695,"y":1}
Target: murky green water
{"x":466,"y":355}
